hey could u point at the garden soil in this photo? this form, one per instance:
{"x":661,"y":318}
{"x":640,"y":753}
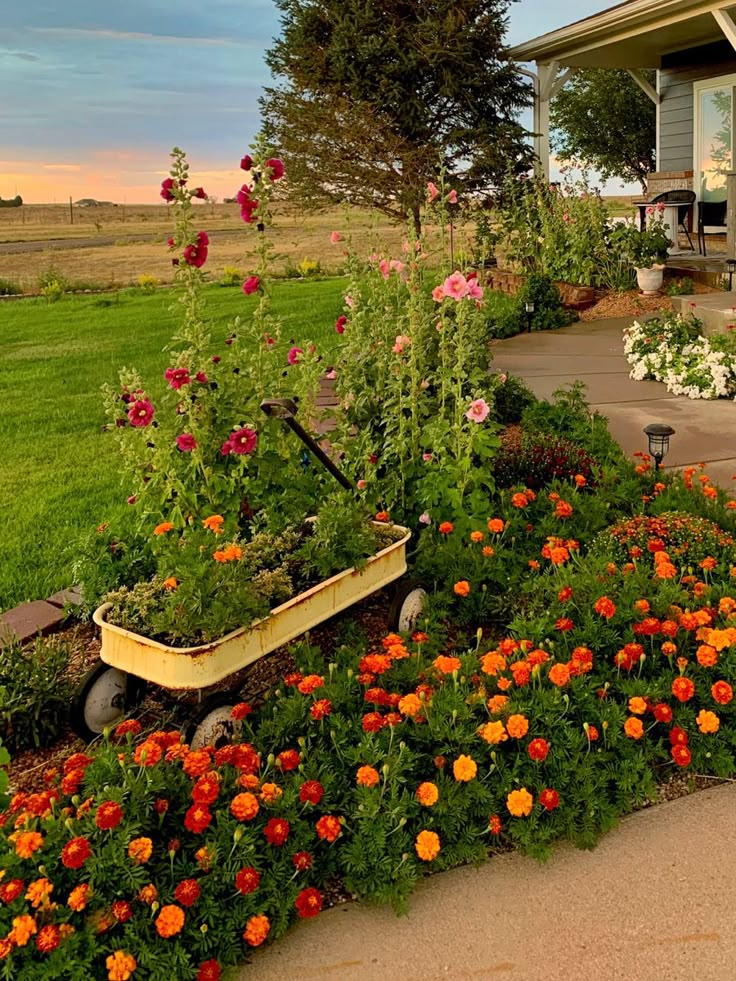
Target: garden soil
{"x":654,"y":901}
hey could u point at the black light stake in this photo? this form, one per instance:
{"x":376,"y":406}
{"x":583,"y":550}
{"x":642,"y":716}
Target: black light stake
{"x":529,"y":307}
{"x":730,"y":269}
{"x":658,"y":434}
{"x":285,"y":409}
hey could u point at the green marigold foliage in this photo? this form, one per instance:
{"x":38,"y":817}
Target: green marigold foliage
{"x":536,"y":459}
{"x":681,"y":534}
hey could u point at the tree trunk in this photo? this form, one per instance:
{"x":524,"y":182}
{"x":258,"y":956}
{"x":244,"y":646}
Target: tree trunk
{"x":416,"y":214}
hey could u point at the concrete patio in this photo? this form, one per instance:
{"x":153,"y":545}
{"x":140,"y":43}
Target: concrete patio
{"x":593,"y":353}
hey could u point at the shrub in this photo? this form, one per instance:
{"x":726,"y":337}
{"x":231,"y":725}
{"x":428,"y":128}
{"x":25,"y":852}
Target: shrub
{"x":549,"y":313}
{"x":34,"y":692}
{"x":8,"y":288}
{"x":536,"y":459}
{"x":53,"y":291}
{"x":688,"y":537}
{"x":511,"y":397}
{"x":108,"y":558}
{"x":49,"y":277}
{"x":680,"y":287}
{"x":147,"y":283}
{"x":231,"y":276}
{"x":309,"y":267}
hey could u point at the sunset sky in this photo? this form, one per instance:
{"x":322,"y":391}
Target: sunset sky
{"x":94,"y":95}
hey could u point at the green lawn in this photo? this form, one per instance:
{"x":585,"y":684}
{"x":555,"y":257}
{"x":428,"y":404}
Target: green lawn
{"x":59,"y":474}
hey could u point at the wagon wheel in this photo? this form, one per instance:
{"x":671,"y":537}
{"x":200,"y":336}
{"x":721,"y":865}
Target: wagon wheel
{"x":213,"y":724}
{"x":407,"y":606}
{"x":102,"y":698}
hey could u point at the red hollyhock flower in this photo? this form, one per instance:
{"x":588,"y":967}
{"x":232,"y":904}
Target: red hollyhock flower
{"x":678,"y":736}
{"x":196,"y":254}
{"x":199,"y":192}
{"x":209,"y":970}
{"x":340,"y":324}
{"x":308,"y":903}
{"x":108,"y":816}
{"x":197,"y":818}
{"x":75,"y":853}
{"x":301,"y":861}
{"x":275,"y":168}
{"x":251,"y":285}
{"x":321,"y":708}
{"x":277,"y":831}
{"x":311,"y":792}
{"x":663,"y":713}
{"x":549,"y":799}
{"x":288,"y":760}
{"x":247,"y":880}
{"x":187,"y":892}
{"x":538,"y":749}
{"x":681,"y":755}
{"x":328,"y":828}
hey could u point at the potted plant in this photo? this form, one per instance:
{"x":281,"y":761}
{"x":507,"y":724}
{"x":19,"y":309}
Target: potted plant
{"x":645,"y":248}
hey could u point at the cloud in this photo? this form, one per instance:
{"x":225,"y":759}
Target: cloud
{"x":23,"y":55}
{"x":69,"y":167}
{"x":113,"y":35}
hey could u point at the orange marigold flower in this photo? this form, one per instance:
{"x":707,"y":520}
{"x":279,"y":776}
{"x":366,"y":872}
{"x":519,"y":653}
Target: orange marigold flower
{"x":558,"y":554}
{"x":493,"y":662}
{"x":708,"y":563}
{"x":707,"y":721}
{"x":642,"y":606}
{"x":382,"y":516}
{"x":78,"y":897}
{"x":634,"y":728}
{"x":493,"y":733}
{"x":563,"y":509}
{"x":580,"y":480}
{"x":446,"y":527}
{"x":427,"y":845}
{"x":726,"y":605}
{"x":605,"y":607}
{"x":410,"y":705}
{"x":496,"y":704}
{"x":488,"y":551}
{"x":476,"y":536}
{"x":668,"y":648}
{"x":464,"y":769}
{"x":522,"y":672}
{"x":328,"y":828}
{"x":148,"y":753}
{"x":120,"y":966}
{"x":256,"y":930}
{"x":149,"y":894}
{"x":706,"y":656}
{"x":6,"y":949}
{"x":427,"y":794}
{"x":517,"y":726}
{"x":171,"y":583}
{"x":109,"y":815}
{"x":214,"y":523}
{"x":461,"y":588}
{"x":38,"y":892}
{"x":310,"y":683}
{"x":169,"y":921}
{"x":504,"y":684}
{"x":637,"y":705}
{"x":163,"y":528}
{"x":140,"y":849}
{"x":722,"y":692}
{"x":23,"y":929}
{"x":26,"y":843}
{"x":559,"y":674}
{"x":244,"y":806}
{"x":519,"y":803}
{"x":683,"y":689}
{"x":496,"y":525}
{"x":367,"y":776}
{"x":519,"y":501}
{"x":446,"y":665}
{"x":270,"y":793}
{"x":48,"y":938}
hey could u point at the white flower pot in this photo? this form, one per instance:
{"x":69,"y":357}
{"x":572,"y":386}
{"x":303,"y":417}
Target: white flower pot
{"x":650,"y":280}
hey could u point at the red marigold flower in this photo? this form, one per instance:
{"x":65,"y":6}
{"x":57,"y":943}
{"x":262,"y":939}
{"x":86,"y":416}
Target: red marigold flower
{"x":722,"y":692}
{"x":246,"y":759}
{"x":446,"y":528}
{"x":277,"y":831}
{"x":308,"y":903}
{"x":311,"y":792}
{"x":592,"y":733}
{"x":148,"y":753}
{"x":77,"y":761}
{"x":247,"y":880}
{"x":538,"y":749}
{"x":161,"y":805}
{"x":494,"y":824}
{"x":131,"y":726}
{"x":683,"y":689}
{"x":209,"y":971}
{"x":288,"y":760}
{"x":206,"y":789}
{"x":681,"y":754}
{"x":108,"y":816}
{"x":187,"y":892}
{"x":48,"y":938}
{"x":11,"y":890}
{"x":301,"y":861}
{"x":605,"y":607}
{"x":565,"y":594}
{"x":663,"y":713}
{"x":629,"y":656}
{"x":310,"y":683}
{"x":564,"y":624}
{"x":372,"y":722}
{"x":549,"y":799}
{"x":678,"y":736}
{"x":122,"y":910}
{"x":241,"y":710}
{"x":75,"y":853}
{"x":328,"y":828}
{"x":198,"y":818}
{"x":321,"y":708}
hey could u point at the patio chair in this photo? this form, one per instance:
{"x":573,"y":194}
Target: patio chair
{"x":685,"y":200}
{"x":710,"y":213}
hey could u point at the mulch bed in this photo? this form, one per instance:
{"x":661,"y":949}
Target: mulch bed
{"x":632,"y":304}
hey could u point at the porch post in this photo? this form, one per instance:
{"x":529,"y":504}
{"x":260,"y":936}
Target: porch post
{"x":731,"y":215}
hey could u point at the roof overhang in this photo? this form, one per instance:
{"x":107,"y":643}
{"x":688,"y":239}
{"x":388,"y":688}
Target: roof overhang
{"x":635,"y":34}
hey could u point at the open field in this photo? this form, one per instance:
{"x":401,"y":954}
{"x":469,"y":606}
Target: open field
{"x":60,"y":473}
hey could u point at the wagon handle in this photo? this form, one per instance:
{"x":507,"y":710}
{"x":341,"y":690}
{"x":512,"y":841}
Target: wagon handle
{"x":285,"y":409}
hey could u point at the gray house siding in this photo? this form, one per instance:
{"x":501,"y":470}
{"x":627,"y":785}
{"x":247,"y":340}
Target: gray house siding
{"x":676,"y":110}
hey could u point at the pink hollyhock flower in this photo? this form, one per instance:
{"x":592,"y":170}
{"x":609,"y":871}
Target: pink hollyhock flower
{"x":247,"y":162}
{"x":335,"y":238}
{"x":131,"y":499}
{"x":566,"y":218}
{"x":432,"y":191}
{"x":660,"y":206}
{"x":373,"y":257}
{"x":340,"y":324}
{"x":243,"y":441}
{"x":248,"y":204}
{"x":226,"y":448}
{"x":275,"y":168}
{"x":349,"y":302}
{"x":331,"y":374}
{"x":362,"y":484}
{"x":140,"y":413}
{"x":186,"y":443}
{"x":438,"y":294}
{"x":196,"y":255}
{"x":425,"y":519}
{"x":201,"y":378}
{"x":455,"y":286}
{"x":427,"y":457}
{"x":170,"y":242}
{"x":294,"y":355}
{"x":397,"y":266}
{"x":268,"y":340}
{"x":177,"y":377}
{"x":475,"y":292}
{"x":251,"y":285}
{"x":650,"y":210}
{"x":402,"y":341}
{"x":438,"y":326}
{"x":452,"y":197}
{"x":385,"y":268}
{"x":424,"y":384}
{"x":199,"y":192}
{"x":478,"y":411}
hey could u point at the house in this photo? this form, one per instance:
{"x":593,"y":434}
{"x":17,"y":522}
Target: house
{"x":692,"y":46}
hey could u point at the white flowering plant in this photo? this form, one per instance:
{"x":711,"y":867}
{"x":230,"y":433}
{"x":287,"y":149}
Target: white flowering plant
{"x":671,"y":349}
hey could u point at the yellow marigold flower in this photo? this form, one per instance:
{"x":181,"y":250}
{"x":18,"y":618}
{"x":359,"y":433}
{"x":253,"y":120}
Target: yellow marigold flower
{"x":494,"y":733}
{"x":519,"y":803}
{"x":120,"y":966}
{"x":517,"y":726}
{"x":708,"y":721}
{"x":464,"y":769}
{"x":139,"y":850}
{"x":634,"y":728}
{"x":367,"y":776}
{"x":427,"y":793}
{"x":427,"y":845}
{"x":410,"y":705}
{"x":637,"y":705}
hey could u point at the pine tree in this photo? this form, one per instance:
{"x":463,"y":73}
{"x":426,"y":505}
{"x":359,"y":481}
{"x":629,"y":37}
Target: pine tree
{"x":375,"y":95}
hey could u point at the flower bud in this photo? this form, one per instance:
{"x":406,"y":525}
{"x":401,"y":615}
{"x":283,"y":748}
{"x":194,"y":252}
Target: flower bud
{"x":384,"y":769}
{"x":155,"y":905}
{"x":350,"y":673}
{"x":271,"y":759}
{"x":402,"y":822}
{"x":237,"y":835}
{"x":204,"y":928}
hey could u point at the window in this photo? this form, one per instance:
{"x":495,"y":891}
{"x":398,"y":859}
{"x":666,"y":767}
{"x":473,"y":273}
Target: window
{"x":713,"y":105}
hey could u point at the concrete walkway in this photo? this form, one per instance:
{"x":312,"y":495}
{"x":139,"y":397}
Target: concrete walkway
{"x":655,"y":901}
{"x":593,"y":353}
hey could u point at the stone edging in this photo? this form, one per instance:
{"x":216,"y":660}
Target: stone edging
{"x":43,"y":617}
